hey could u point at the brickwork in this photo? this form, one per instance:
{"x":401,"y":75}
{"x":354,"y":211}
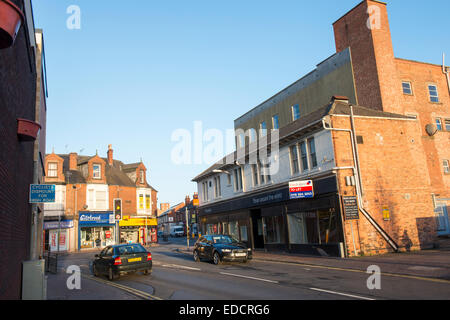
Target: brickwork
{"x":393,"y":163}
{"x":17,"y":100}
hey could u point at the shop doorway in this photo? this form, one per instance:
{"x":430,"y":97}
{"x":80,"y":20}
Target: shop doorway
{"x":258,"y":231}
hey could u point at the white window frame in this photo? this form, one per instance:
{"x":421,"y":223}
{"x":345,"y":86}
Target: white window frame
{"x":429,"y":93}
{"x":446,"y":166}
{"x":310,"y":154}
{"x":291,"y":158}
{"x":94,"y":171}
{"x":54,"y":170}
{"x":410,"y":88}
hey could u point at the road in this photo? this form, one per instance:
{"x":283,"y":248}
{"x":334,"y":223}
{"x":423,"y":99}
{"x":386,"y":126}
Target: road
{"x":177,"y":277}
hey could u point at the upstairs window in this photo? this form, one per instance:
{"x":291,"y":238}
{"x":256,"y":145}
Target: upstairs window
{"x":142,"y":176}
{"x":447,"y":124}
{"x":304,"y":155}
{"x":255,"y":175}
{"x":205,"y":191}
{"x":407,"y":89}
{"x":263,"y":128}
{"x":295,"y":112}
{"x":252,"y":135}
{"x":294,"y":159}
{"x":433,"y":92}
{"x":147,"y":202}
{"x":438,"y":124}
{"x":217,"y":188}
{"x":52,"y":170}
{"x":238,"y":179}
{"x":446,"y":166}
{"x":312,"y":152}
{"x":97,"y":171}
{"x":275,"y":122}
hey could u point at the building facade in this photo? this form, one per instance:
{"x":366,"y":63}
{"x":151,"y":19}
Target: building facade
{"x":376,"y":155}
{"x":99,"y":202}
{"x":22,"y":100}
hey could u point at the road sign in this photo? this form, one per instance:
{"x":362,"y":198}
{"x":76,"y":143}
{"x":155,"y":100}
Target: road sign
{"x":301,"y":189}
{"x":42,"y":193}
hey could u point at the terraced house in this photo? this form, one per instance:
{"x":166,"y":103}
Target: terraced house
{"x":369,"y":131}
{"x":99,"y":202}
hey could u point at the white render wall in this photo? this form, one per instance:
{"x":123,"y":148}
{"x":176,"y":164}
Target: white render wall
{"x":325,"y":162}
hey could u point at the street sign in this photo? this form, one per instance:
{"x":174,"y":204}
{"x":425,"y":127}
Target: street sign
{"x":301,"y":189}
{"x":42,"y":193}
{"x":351,"y":211}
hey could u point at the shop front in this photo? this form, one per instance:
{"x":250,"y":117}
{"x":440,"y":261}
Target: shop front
{"x":141,"y":230}
{"x":52,"y":242}
{"x":96,"y":230}
{"x":272,"y":221}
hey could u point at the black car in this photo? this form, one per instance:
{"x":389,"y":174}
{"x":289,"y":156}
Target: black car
{"x":119,"y":259}
{"x":220,"y":248}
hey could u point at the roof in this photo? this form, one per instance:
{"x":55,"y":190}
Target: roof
{"x":303,"y":124}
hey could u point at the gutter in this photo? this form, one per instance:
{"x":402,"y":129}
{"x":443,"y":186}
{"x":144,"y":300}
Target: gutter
{"x":357,"y":172}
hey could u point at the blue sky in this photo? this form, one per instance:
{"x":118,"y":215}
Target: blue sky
{"x":139,"y":69}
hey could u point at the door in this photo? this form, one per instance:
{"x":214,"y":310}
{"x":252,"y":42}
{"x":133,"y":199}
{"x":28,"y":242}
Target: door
{"x":258,"y":231}
{"x":443,"y":223}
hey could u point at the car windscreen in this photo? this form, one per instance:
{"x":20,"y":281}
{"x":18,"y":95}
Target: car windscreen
{"x":223,"y":240}
{"x":130,"y":249}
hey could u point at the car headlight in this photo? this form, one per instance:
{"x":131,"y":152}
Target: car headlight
{"x":226,"y":250}
{"x":249,"y":249}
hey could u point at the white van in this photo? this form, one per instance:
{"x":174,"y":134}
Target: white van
{"x":176,"y":231}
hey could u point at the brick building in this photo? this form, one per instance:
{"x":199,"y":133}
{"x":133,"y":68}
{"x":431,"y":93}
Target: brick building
{"x":377,"y":154}
{"x":22,"y":96}
{"x":87,"y":191}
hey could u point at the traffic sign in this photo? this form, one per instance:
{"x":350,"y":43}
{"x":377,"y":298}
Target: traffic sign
{"x":301,"y":189}
{"x":42,"y":193}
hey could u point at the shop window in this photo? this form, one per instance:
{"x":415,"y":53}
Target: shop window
{"x":243,"y":231}
{"x":234,"y":231}
{"x":303,"y":228}
{"x":274,"y":229}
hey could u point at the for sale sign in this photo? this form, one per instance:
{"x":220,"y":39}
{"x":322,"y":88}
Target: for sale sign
{"x":301,"y":189}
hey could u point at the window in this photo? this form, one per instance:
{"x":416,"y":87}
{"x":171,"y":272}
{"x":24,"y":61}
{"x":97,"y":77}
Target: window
{"x":304,"y":156}
{"x":241,"y":140}
{"x":406,"y":85}
{"x":252,"y":135}
{"x":275,"y":122}
{"x":141,"y":201}
{"x":275,"y":229}
{"x":432,"y":90}
{"x":312,"y":152}
{"x":439,"y":124}
{"x":446,"y":166}
{"x":147,"y":202}
{"x":101,"y":202}
{"x":141,"y":173}
{"x":263,"y":129}
{"x":229,"y":179}
{"x":97,"y":171}
{"x":294,"y":159}
{"x":238,"y":179}
{"x":205,"y":191}
{"x":255,"y":174}
{"x":217,"y":189}
{"x":447,"y":124}
{"x":262,"y":177}
{"x":295,"y":112}
{"x":52,"y":171}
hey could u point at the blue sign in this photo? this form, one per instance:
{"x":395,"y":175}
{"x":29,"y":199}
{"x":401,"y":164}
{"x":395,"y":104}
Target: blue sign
{"x":42,"y":193}
{"x":96,"y":218}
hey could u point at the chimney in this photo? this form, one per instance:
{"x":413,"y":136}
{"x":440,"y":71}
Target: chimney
{"x":187,"y":200}
{"x":73,"y":161}
{"x":110,"y":155}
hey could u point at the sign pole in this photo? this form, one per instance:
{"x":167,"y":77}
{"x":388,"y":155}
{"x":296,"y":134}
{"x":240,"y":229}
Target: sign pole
{"x":187,"y":228}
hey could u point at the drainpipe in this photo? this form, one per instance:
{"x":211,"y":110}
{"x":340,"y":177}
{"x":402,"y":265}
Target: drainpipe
{"x":357,"y":172}
{"x":446,"y":71}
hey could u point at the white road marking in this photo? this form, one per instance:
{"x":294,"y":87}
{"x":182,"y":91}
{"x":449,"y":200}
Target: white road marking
{"x":341,"y":294}
{"x":247,"y":277}
{"x":180,"y":267}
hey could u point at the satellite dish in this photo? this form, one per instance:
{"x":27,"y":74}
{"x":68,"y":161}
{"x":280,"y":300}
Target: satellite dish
{"x":431,"y":129}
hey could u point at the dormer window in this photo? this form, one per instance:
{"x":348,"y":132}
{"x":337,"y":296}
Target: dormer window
{"x":97,"y":171}
{"x":52,"y":170}
{"x":142,"y":177}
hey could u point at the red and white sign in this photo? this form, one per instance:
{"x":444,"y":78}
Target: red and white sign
{"x":108,"y":234}
{"x":301,"y":189}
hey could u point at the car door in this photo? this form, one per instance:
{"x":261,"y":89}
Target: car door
{"x":209,"y":247}
{"x":200,"y":247}
{"x":100,"y":261}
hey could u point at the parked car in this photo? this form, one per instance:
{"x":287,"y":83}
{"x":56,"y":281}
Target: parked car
{"x":116,"y":260}
{"x":220,"y":248}
{"x":176,"y":231}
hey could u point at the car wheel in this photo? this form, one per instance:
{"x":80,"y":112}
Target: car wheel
{"x":148,"y":272}
{"x":216,"y":258}
{"x":196,"y":257}
{"x":95,"y":271}
{"x":111,"y":275}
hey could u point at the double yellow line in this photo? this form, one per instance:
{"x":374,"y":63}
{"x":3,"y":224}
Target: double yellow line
{"x":136,"y":292}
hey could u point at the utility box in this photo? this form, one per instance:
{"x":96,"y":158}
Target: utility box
{"x":34,"y":281}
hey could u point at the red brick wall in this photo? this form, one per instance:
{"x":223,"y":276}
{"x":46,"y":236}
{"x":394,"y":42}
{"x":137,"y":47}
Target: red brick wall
{"x":394,"y":174}
{"x":17,"y":100}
